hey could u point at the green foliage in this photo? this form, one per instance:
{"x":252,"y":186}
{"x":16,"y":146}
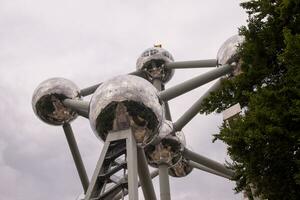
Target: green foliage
{"x":264,"y":143}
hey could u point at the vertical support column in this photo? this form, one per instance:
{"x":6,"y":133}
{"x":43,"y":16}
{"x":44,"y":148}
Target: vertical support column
{"x":76,"y":156}
{"x":132,"y":166}
{"x":164,"y":184}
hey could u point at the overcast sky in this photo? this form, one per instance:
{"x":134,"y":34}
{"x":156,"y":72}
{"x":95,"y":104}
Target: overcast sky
{"x":89,"y":42}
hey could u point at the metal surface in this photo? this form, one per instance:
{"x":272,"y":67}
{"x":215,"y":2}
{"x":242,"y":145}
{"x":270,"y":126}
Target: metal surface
{"x":166,"y":129}
{"x":138,"y":102}
{"x":166,"y":108}
{"x":137,"y":73}
{"x":81,"y":107}
{"x":164,"y":184}
{"x":193,"y":83}
{"x":194,"y":109}
{"x":76,"y":156}
{"x":132,"y":166}
{"x":207,"y":162}
{"x":227,"y":53}
{"x":167,"y":111}
{"x":89,"y":90}
{"x":157,"y":84}
{"x":47,"y":101}
{"x":144,"y":176}
{"x":165,"y":153}
{"x":192,"y":64}
{"x":167,"y":149}
{"x":181,"y":137}
{"x":181,"y":169}
{"x":206,"y":169}
{"x":153,"y":60}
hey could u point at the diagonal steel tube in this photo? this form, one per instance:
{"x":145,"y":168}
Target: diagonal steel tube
{"x":192,"y":64}
{"x":190,"y":155}
{"x":144,"y":176}
{"x":76,"y":156}
{"x":206,"y":169}
{"x":81,"y":107}
{"x":194,"y":109}
{"x":89,"y":90}
{"x":193,"y":83}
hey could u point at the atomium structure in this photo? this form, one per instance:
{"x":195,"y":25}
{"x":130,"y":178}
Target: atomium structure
{"x":131,"y":115}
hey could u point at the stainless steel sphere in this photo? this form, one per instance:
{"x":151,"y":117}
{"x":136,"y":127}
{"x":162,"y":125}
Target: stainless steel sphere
{"x":168,"y":151}
{"x":126,"y":102}
{"x":180,"y":169}
{"x":227,"y":54}
{"x":152,"y":61}
{"x":47,"y":101}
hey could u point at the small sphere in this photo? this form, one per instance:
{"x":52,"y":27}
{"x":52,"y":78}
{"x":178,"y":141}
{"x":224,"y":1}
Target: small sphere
{"x":126,"y":102}
{"x":180,"y":169}
{"x":227,"y":53}
{"x":168,"y":151}
{"x":47,"y":101}
{"x":152,"y":61}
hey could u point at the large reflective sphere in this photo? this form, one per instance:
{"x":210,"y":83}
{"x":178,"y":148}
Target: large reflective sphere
{"x":180,"y":169}
{"x":227,"y":54}
{"x":47,"y":101}
{"x":126,"y":102}
{"x":152,"y":61}
{"x":168,"y":151}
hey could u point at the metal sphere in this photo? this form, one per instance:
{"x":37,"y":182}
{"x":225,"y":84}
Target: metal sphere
{"x":152,"y":61}
{"x":126,"y":102}
{"x":168,"y":151}
{"x":180,"y":169}
{"x":227,"y":54}
{"x":47,"y":101}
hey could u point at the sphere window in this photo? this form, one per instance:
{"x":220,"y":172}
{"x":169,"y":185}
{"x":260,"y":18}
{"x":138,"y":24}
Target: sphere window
{"x":145,"y":54}
{"x":153,"y":51}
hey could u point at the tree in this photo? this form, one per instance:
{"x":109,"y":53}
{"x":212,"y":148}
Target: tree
{"x":264,"y":143}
